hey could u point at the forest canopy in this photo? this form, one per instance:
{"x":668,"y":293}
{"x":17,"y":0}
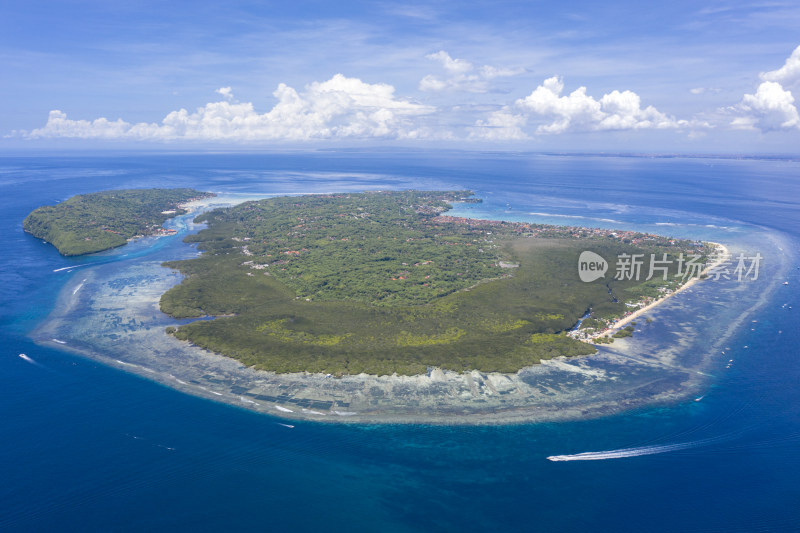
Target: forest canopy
{"x":384,"y":282}
{"x":94,"y":222}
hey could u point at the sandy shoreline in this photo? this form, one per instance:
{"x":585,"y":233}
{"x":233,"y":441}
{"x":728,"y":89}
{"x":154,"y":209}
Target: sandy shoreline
{"x":721,"y":257}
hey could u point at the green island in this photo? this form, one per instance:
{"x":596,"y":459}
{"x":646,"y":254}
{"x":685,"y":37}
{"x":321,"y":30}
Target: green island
{"x":89,"y":223}
{"x":385,"y":282}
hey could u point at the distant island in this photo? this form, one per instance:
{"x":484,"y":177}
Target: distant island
{"x":385,"y":283}
{"x":89,"y":223}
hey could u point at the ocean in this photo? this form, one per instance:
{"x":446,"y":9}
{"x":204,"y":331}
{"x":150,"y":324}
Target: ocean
{"x":89,"y":447}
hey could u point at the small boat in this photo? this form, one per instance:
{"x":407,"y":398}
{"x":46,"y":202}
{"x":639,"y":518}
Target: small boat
{"x":28,"y":359}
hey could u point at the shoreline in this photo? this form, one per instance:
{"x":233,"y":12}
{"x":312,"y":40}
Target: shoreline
{"x":723,"y":255}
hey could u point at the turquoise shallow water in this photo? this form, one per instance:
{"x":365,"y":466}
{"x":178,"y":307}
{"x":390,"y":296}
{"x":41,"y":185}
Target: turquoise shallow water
{"x":87,"y":447}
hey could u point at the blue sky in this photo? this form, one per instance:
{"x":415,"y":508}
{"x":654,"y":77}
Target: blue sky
{"x":582,"y":76}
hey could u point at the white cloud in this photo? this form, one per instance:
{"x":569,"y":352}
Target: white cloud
{"x":453,"y":66}
{"x":461,"y":75}
{"x":226,"y":92}
{"x":704,"y":90}
{"x":789,"y":73}
{"x":338,"y":108}
{"x":432,"y":83}
{"x":501,"y":125}
{"x":575,"y":112}
{"x":771,"y":108}
{"x":58,"y":125}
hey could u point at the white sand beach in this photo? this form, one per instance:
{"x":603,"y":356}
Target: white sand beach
{"x":723,"y":255}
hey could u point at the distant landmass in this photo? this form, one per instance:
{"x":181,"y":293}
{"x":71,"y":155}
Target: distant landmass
{"x":89,"y":223}
{"x":385,"y":282}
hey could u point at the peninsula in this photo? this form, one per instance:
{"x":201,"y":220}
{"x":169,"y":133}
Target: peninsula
{"x":385,"y":283}
{"x":89,"y":223}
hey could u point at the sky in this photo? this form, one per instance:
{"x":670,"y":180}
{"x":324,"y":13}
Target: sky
{"x":615,"y":76}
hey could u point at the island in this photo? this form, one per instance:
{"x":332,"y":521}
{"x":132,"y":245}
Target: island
{"x":385,"y":283}
{"x":396,"y":307}
{"x":89,"y":223}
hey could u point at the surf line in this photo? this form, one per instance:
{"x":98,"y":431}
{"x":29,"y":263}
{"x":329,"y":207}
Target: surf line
{"x":626,"y":452}
{"x":79,"y":286}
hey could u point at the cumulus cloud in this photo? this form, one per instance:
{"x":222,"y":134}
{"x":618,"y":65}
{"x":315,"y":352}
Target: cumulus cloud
{"x":453,"y":66}
{"x":338,"y":108}
{"x":501,"y":126}
{"x":772,"y":106}
{"x":554,"y":113}
{"x":226,"y":92}
{"x":461,"y":75}
{"x":789,"y":73}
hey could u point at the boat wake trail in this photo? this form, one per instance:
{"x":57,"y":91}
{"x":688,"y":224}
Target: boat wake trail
{"x":632,"y":452}
{"x":72,"y":267}
{"x":29,"y":360}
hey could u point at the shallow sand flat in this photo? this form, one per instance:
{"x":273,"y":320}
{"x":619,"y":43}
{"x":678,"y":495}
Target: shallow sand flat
{"x":114,"y":318}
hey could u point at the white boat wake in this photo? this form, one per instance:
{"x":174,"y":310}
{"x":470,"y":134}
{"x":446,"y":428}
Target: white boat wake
{"x":29,"y":360}
{"x":628,"y":452}
{"x":72,"y":267}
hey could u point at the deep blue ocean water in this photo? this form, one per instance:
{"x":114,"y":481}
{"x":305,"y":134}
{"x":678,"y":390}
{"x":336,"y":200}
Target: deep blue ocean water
{"x":88,"y":447}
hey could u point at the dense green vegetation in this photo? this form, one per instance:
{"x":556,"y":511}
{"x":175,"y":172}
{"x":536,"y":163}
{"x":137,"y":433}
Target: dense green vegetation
{"x":375,"y":248}
{"x":89,"y":223}
{"x":627,"y":331}
{"x":380,"y":283}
